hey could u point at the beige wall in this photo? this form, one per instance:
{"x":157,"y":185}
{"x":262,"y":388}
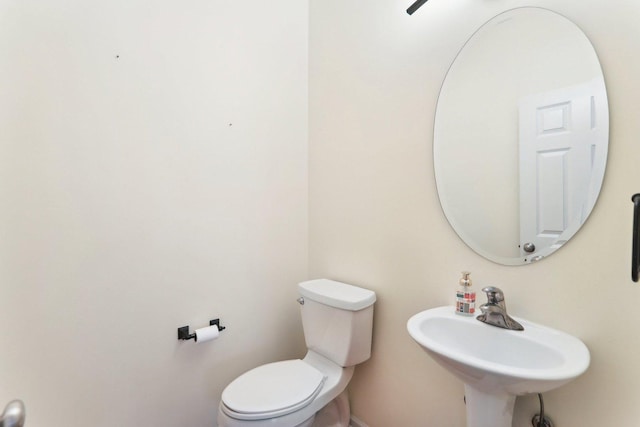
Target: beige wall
{"x":375,"y":220}
{"x":153,"y":174}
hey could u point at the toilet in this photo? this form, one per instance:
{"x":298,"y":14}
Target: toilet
{"x":311,"y":392}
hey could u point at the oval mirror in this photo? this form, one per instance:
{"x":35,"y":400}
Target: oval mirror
{"x":521,"y":134}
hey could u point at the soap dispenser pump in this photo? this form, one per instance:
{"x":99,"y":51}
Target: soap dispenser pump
{"x":465,"y":297}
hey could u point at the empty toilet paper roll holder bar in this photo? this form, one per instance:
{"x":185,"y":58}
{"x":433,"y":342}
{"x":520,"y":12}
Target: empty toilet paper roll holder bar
{"x":183,"y":332}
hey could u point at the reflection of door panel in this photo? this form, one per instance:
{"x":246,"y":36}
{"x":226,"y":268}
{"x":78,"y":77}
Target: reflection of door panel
{"x":557,"y":152}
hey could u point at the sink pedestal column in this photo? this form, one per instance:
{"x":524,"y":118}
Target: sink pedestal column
{"x":488,"y":409}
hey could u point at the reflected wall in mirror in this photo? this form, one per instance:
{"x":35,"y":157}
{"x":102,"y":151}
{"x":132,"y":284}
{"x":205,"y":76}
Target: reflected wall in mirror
{"x":521,"y":134}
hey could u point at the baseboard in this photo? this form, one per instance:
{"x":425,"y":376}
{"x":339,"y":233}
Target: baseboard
{"x":356,"y":422}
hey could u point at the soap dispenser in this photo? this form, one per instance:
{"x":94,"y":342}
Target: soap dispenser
{"x":465,"y":297}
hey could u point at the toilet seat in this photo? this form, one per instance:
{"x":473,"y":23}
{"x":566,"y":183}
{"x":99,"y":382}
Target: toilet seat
{"x":272,"y":390}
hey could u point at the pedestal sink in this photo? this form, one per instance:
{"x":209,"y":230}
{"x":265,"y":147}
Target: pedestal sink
{"x":496,"y":364}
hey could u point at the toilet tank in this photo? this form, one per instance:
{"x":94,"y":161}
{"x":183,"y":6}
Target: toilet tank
{"x":338,"y":320}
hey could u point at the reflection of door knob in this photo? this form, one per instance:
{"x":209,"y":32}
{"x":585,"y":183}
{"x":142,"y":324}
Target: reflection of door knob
{"x":529,"y":247}
{"x":13,"y":415}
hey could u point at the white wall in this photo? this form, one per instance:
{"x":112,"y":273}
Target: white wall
{"x":153,"y":174}
{"x":375,"y":220}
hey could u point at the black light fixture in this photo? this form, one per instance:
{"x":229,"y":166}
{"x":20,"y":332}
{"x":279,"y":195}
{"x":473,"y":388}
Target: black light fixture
{"x":415,"y":6}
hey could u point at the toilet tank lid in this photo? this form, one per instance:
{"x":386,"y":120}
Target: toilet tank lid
{"x":337,"y":294}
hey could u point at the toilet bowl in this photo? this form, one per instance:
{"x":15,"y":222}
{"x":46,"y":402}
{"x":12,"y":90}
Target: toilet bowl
{"x":292,"y":404}
{"x":337,"y":320}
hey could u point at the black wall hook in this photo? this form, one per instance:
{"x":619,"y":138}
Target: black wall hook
{"x":635,"y":250}
{"x":415,"y":6}
{"x":183,"y":332}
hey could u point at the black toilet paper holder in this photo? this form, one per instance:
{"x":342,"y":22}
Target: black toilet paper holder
{"x":183,"y":332}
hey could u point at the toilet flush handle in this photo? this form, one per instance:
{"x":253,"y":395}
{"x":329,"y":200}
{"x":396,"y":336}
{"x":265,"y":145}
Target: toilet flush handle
{"x":300,"y":301}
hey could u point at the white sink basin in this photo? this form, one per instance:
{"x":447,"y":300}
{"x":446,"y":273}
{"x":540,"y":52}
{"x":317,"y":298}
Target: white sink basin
{"x":497,"y":364}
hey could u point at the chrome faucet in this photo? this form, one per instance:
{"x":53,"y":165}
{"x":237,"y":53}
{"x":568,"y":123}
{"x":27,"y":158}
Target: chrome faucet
{"x":494,"y":311}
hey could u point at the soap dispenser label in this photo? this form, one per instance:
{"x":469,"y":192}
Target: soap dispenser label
{"x":466,"y":302}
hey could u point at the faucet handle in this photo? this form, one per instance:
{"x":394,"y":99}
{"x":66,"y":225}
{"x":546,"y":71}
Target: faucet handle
{"x":494,"y":294}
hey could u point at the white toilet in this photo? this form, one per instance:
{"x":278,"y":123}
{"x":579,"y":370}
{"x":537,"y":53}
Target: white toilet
{"x":337,"y":319}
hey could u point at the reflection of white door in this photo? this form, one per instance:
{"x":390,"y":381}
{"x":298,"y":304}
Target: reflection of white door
{"x":558,"y":144}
